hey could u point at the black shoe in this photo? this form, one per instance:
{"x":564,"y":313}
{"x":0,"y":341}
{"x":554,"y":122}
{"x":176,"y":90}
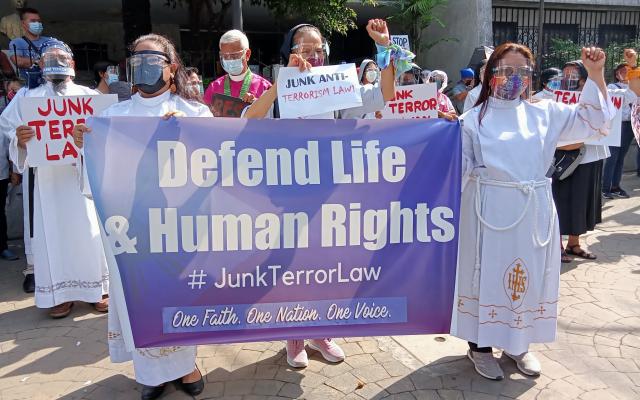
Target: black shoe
{"x":9,"y":255}
{"x":152,"y":392}
{"x":29,"y":284}
{"x":607,"y":195}
{"x":193,"y":388}
{"x":620,"y":193}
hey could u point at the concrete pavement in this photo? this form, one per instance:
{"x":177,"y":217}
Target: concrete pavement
{"x":596,"y":355}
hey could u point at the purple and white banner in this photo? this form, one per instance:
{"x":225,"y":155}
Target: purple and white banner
{"x":229,"y":230}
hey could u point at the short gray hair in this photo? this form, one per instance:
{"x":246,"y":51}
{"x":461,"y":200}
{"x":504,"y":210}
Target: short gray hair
{"x":233,"y":36}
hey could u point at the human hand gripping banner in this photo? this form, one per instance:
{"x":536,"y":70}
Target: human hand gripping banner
{"x":230,"y":230}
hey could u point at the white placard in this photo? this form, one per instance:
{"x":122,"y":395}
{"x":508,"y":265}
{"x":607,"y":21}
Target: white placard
{"x":413,"y":101}
{"x":53,"y":119}
{"x":614,"y":136}
{"x":318,"y":90}
{"x":401,"y":40}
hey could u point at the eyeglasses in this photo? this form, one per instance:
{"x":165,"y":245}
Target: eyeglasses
{"x":308,"y":50}
{"x":148,"y":59}
{"x":236,"y":55}
{"x":508,"y":70}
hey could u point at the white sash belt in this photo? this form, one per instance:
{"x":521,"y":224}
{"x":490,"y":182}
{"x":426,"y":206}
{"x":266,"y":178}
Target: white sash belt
{"x":529,"y":189}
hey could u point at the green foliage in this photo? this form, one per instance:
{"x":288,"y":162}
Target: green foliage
{"x":331,"y":16}
{"x":417,"y":15}
{"x":563,"y":50}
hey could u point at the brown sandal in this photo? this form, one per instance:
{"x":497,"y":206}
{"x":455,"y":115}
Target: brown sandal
{"x":564,"y":257}
{"x":581,"y":253}
{"x":103,"y":305}
{"x":61,"y":310}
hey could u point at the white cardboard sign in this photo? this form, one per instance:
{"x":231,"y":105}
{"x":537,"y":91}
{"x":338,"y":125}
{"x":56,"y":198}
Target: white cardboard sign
{"x":318,"y":90}
{"x":53,"y":119}
{"x":613,"y":138}
{"x":413,"y":101}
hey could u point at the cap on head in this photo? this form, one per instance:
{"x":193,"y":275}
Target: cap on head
{"x":467,"y":73}
{"x":54,"y":43}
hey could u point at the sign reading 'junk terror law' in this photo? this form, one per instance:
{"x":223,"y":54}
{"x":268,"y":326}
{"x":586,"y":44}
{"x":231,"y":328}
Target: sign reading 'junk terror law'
{"x":53,"y":119}
{"x":276,"y":229}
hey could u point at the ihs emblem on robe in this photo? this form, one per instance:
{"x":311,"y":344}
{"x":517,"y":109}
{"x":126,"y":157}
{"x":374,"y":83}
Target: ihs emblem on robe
{"x":516,"y":282}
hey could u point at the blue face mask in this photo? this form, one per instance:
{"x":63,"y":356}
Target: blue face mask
{"x":233,"y":67}
{"x":554,"y":84}
{"x":35,"y":28}
{"x":111,"y":78}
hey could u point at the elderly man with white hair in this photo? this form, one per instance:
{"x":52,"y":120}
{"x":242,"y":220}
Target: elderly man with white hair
{"x":239,"y":81}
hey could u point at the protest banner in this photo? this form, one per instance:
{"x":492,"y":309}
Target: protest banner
{"x":413,"y":101}
{"x":614,"y":136}
{"x":401,"y":40}
{"x":227,"y":106}
{"x":318,"y":90}
{"x":53,"y":119}
{"x":276,"y":229}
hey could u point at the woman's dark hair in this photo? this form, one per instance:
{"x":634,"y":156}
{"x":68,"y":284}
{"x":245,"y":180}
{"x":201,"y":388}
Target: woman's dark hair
{"x":191,"y":70}
{"x":547,"y":74}
{"x":492,"y":63}
{"x":180,"y":77}
{"x":617,"y":69}
{"x":476,"y":71}
{"x":100,"y":66}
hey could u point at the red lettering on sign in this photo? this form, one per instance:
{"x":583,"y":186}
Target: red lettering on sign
{"x":69,"y":150}
{"x":617,"y":102}
{"x":67,"y":127}
{"x":61,"y":112}
{"x":54,"y":129}
{"x":74,"y":106}
{"x":46,"y":112}
{"x":404,"y":94}
{"x":86,"y":106}
{"x":37,"y":125}
{"x":50,"y":157}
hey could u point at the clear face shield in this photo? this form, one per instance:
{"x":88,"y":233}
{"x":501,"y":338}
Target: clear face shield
{"x":511,"y":82}
{"x":57,"y":63}
{"x":316,"y":55}
{"x":570,"y":79}
{"x":145,"y":70}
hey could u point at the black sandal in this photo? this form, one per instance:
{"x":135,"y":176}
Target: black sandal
{"x":564,"y":257}
{"x":582,"y":254}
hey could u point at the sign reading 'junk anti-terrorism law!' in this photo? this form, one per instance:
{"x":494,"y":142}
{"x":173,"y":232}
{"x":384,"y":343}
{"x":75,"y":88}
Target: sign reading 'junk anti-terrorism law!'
{"x":53,"y":119}
{"x":275,"y":229}
{"x":318,"y":90}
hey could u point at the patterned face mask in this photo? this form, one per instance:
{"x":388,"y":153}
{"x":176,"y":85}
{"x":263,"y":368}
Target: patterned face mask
{"x":510,"y":82}
{"x":509,"y":88}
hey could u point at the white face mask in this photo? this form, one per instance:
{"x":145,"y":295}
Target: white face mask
{"x":371,"y":75}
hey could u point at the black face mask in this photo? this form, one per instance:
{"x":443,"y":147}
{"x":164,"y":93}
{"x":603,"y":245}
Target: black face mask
{"x":151,"y":89}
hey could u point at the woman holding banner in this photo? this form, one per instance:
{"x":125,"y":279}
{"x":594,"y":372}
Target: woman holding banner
{"x":509,"y":263}
{"x":162,"y":89}
{"x":305,"y":47}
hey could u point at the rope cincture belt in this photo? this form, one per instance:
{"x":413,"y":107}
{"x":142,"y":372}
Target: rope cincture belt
{"x":529,"y":189}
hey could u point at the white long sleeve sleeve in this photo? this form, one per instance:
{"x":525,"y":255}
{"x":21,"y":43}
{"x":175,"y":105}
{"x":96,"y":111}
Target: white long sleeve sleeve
{"x":591,"y":116}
